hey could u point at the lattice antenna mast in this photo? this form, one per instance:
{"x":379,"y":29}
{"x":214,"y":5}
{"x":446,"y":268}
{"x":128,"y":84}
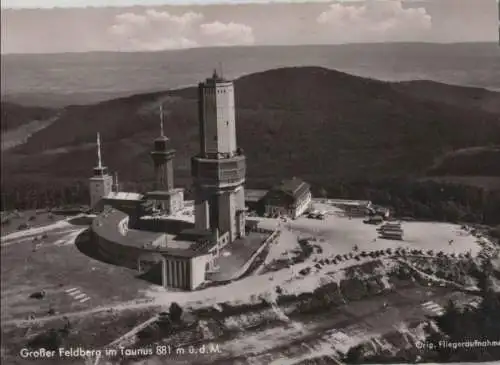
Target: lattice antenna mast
{"x":220,"y":70}
{"x":161,"y":121}
{"x":99,"y":159}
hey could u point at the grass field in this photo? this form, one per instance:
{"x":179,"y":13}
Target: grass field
{"x":58,"y":267}
{"x":73,"y":283}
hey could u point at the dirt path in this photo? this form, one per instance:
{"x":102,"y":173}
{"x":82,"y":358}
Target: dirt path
{"x":144,"y":304}
{"x":133,"y":331}
{"x":128,"y":335}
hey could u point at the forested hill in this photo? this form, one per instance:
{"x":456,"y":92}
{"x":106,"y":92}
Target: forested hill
{"x":308,"y":121}
{"x":320,"y":124}
{"x":15,"y":116}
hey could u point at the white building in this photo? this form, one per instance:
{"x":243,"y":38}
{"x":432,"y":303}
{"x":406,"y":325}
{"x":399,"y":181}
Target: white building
{"x":290,"y":198}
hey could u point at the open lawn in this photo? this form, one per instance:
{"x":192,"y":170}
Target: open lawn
{"x":71,"y":280}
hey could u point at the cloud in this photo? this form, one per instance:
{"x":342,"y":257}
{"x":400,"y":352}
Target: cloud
{"x":159,"y":30}
{"x":229,"y":34}
{"x":375,"y":21}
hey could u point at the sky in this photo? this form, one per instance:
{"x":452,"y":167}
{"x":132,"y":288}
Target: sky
{"x":19,"y":4}
{"x":165,"y":27}
{"x":114,"y":3}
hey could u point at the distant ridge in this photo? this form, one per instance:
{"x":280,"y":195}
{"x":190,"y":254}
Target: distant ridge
{"x":103,"y":76}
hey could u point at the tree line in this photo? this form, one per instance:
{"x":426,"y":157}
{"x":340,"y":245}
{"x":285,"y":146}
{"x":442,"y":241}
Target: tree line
{"x":423,"y":200}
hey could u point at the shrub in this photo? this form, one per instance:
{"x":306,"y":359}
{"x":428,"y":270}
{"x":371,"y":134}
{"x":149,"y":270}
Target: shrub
{"x":175,"y":311}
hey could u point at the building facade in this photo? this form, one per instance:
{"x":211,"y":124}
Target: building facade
{"x":183,"y":273}
{"x":142,"y":251}
{"x":219,"y":169}
{"x":291,"y":198}
{"x":101,"y":183}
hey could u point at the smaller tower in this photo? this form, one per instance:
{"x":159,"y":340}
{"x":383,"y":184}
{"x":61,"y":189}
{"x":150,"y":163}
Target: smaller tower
{"x":164,"y":197}
{"x":102,"y":182}
{"x":162,"y":156}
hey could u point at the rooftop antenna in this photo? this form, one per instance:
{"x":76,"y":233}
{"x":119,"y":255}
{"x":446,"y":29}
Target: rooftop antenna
{"x":99,"y":161}
{"x":116,"y":178}
{"x":161,"y":121}
{"x":220,"y":70}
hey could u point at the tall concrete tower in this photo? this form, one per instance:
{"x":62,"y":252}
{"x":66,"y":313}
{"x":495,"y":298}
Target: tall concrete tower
{"x":102,"y":182}
{"x":219,"y":169}
{"x":162,"y":156}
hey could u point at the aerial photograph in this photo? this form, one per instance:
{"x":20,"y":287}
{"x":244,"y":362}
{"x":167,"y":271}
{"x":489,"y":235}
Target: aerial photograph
{"x":250,"y":182}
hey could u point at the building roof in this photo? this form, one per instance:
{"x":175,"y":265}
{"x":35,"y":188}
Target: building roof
{"x":392,"y":225}
{"x":254,"y":195}
{"x":293,"y":187}
{"x":350,"y":202}
{"x":122,"y":195}
{"x":162,"y":138}
{"x":107,"y":226}
{"x":162,"y":193}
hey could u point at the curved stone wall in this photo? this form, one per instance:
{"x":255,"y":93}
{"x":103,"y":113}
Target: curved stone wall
{"x":109,"y":232}
{"x":117,"y":253}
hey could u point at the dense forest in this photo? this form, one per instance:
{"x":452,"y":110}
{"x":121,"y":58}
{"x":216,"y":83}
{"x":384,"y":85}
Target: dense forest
{"x":315,"y":123}
{"x":303,"y":121}
{"x":426,"y":200}
{"x":419,"y":200}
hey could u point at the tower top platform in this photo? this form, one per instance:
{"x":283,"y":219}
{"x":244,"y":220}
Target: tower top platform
{"x":162,"y":145}
{"x":216,"y":79}
{"x":99,"y":172}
